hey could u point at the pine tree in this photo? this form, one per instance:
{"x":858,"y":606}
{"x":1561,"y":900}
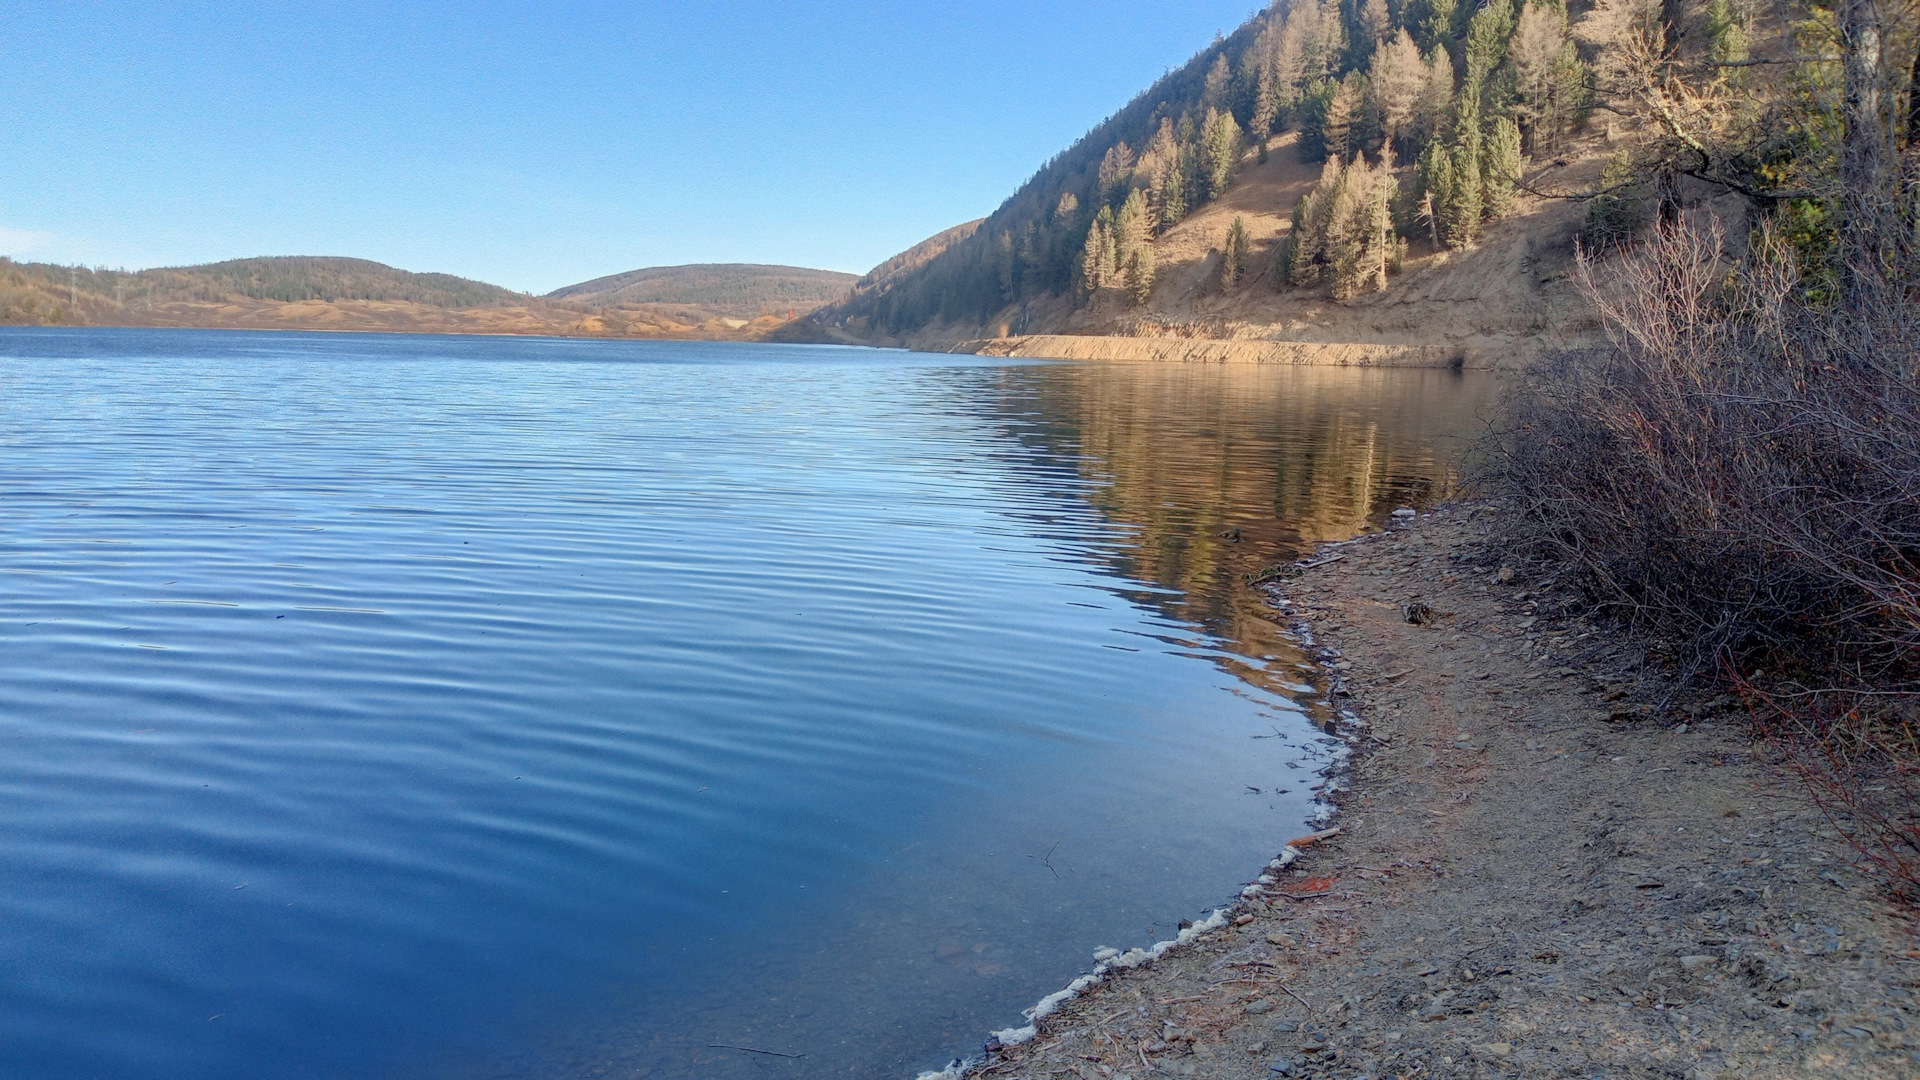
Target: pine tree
{"x":1220,"y":151}
{"x":1096,"y":255}
{"x":1313,"y":109}
{"x":1131,"y":227}
{"x":1619,"y":210}
{"x":1265,"y":110}
{"x":1436,"y":180}
{"x":1233,"y":254}
{"x":1465,"y":205}
{"x":1500,"y":167}
{"x":1435,"y":32}
{"x":1347,"y":220}
{"x":1280,"y":271}
{"x":1140,"y":275}
{"x":1309,"y":250}
{"x":1487,"y":35}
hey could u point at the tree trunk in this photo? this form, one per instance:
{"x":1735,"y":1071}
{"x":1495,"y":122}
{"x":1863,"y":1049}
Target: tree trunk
{"x":1913,"y":102}
{"x":1865,"y":149}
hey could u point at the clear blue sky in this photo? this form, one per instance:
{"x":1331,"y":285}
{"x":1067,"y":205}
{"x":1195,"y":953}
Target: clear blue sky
{"x":538,"y":144}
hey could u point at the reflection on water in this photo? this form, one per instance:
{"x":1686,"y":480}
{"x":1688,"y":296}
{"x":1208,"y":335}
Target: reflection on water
{"x":447,"y":707}
{"x":1221,"y":472}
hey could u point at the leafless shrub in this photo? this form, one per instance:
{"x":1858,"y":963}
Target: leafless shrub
{"x":1739,"y":473}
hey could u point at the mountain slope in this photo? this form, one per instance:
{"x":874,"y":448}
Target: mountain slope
{"x":1128,"y":231}
{"x":738,"y":289}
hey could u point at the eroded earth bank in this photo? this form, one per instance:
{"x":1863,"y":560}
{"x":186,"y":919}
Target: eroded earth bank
{"x":1539,"y":873}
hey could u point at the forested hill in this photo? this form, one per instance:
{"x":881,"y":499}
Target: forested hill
{"x":732,"y":302}
{"x":286,"y":279}
{"x":744,"y":289}
{"x":1423,"y":110}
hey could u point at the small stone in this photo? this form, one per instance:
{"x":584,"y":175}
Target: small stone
{"x":1504,"y":575}
{"x":1698,"y":962}
{"x":1283,"y":1067}
{"x":1281,"y":940}
{"x":1404,"y":513}
{"x":1286,"y":1026}
{"x":1493,"y":1049}
{"x":1255,"y":1008}
{"x":1242,"y":920}
{"x":1860,"y":1033}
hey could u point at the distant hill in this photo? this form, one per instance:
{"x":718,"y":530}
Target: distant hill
{"x":742,"y":290}
{"x":718,"y":301}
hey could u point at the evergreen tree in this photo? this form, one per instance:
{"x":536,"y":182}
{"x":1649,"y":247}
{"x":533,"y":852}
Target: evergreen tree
{"x":1500,"y":168}
{"x":1727,"y":38}
{"x":1265,"y":111}
{"x":1347,"y":220}
{"x":1097,"y":255}
{"x":1435,"y":32}
{"x":1436,"y":181}
{"x":1233,"y":254}
{"x":1619,"y":210}
{"x":1116,"y":168}
{"x":1534,"y":57}
{"x":1131,"y":227}
{"x":1310,"y":251}
{"x":1220,"y":153}
{"x":1464,"y":206}
{"x":1280,"y":272}
{"x":1314,"y":105}
{"x":1140,"y":275}
{"x":1487,"y":38}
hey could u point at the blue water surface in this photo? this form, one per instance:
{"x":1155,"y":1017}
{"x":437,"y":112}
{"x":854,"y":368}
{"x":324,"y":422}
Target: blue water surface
{"x":382,"y":706}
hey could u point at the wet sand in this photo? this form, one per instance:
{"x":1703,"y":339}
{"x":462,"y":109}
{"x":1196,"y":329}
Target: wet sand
{"x":1537,"y":873}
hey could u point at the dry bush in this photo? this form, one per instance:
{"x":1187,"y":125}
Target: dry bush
{"x":1739,"y":474}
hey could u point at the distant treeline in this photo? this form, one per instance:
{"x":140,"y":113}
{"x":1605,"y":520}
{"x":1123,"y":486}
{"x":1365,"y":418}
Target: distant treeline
{"x":717,"y":285}
{"x":284,"y":279}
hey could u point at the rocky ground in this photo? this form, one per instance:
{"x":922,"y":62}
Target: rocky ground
{"x":1539,"y":873}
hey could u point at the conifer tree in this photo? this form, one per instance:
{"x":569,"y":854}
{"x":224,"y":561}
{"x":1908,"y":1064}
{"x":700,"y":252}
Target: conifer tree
{"x":1116,"y":168}
{"x":1436,"y":180}
{"x":1488,"y":33}
{"x":1213,"y":95}
{"x":1726,"y":37}
{"x":1313,"y":109}
{"x":1233,"y":254}
{"x":1131,"y":227}
{"x":1500,"y":166}
{"x":1265,"y":111}
{"x":1435,"y":32}
{"x":1280,"y":271}
{"x":1096,"y":255}
{"x":1347,"y":219}
{"x":1341,"y":114}
{"x":1461,"y":215}
{"x":1435,"y":103}
{"x":1396,"y":76}
{"x":1140,"y":275}
{"x":1220,"y":151}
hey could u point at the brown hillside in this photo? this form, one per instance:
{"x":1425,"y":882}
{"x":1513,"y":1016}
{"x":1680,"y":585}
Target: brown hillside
{"x":1496,"y":304}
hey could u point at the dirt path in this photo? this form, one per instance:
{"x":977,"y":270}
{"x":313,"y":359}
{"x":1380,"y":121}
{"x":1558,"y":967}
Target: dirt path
{"x":1535,"y":876}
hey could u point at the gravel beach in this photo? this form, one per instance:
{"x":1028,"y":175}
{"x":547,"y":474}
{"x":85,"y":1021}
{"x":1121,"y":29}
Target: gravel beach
{"x":1537,"y":873}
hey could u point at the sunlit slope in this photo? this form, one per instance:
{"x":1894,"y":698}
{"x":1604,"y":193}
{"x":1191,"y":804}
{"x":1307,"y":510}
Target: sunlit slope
{"x":317,"y":293}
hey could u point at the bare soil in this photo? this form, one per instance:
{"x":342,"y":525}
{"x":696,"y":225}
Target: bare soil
{"x":1541,"y":872}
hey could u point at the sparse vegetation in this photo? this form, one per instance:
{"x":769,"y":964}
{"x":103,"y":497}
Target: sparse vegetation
{"x":1738,"y":470}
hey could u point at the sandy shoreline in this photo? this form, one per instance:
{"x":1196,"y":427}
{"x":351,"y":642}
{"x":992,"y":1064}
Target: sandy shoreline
{"x":1536,"y":876}
{"x":1184,"y":350}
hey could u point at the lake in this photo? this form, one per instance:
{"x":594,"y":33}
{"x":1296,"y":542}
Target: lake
{"x":414,"y":706}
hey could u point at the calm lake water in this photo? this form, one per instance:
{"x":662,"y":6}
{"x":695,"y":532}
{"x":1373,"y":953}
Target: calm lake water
{"x":379,"y":706}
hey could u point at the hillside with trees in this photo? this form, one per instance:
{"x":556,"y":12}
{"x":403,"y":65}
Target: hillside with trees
{"x":722,"y":301}
{"x":742,"y":290}
{"x":1342,"y":171}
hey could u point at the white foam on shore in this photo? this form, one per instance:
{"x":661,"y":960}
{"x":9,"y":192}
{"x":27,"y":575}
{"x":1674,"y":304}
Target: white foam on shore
{"x":1132,"y":958}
